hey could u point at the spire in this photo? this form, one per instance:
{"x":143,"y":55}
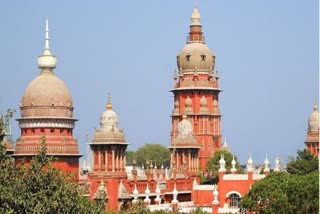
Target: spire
{"x":195,"y":17}
{"x":195,"y":34}
{"x":109,"y":104}
{"x":47,"y":60}
{"x":266,"y":165}
{"x":47,"y":36}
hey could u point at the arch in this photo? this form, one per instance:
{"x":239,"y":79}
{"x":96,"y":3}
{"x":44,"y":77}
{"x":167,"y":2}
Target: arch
{"x":233,"y":192}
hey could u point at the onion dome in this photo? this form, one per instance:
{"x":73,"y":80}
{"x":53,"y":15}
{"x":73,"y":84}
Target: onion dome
{"x":203,"y":105}
{"x":46,"y":95}
{"x":250,"y":164}
{"x":109,"y":119}
{"x":196,"y":53}
{"x":222,"y":164}
{"x":109,"y":133}
{"x":215,"y":107}
{"x":188,"y":106}
{"x":313,"y":122}
{"x":176,"y":107}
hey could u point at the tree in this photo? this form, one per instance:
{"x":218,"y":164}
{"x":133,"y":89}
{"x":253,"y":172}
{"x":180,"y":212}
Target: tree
{"x":281,"y":192}
{"x":130,"y":155}
{"x":156,"y":153}
{"x":295,"y":191}
{"x":213,"y":164}
{"x":303,"y":164}
{"x":40,"y":188}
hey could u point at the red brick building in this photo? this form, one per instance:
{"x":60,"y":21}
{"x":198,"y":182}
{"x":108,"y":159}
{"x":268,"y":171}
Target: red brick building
{"x":47,"y":110}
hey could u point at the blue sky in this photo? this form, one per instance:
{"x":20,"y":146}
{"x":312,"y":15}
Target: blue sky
{"x":267,"y":56}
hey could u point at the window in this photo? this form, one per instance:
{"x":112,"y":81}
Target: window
{"x":234,"y":200}
{"x":188,"y":57}
{"x":203,"y":57}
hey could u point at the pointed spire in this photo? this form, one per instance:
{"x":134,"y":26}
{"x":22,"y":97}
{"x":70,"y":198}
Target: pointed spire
{"x":277,"y":164}
{"x":195,"y":34}
{"x":233,"y":163}
{"x":250,"y":165}
{"x":222,"y":164}
{"x":47,"y":60}
{"x":195,"y":17}
{"x":47,"y":36}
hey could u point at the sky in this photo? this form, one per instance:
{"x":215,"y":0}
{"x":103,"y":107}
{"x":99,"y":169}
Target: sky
{"x":267,"y":53}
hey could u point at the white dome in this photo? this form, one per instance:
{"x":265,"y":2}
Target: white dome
{"x":184,"y":128}
{"x":313,"y":122}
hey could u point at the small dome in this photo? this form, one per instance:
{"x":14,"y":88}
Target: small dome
{"x":46,"y":96}
{"x":188,"y":102}
{"x":109,"y":119}
{"x":184,"y":128}
{"x":313,"y":122}
{"x":176,"y":104}
{"x":195,"y":55}
{"x":215,"y":103}
{"x":203,"y":101}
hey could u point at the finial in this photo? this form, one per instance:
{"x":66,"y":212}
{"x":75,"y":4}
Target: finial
{"x":184,"y":117}
{"x":47,"y":36}
{"x":195,"y":17}
{"x":315,"y":107}
{"x":109,"y":104}
{"x":47,"y":60}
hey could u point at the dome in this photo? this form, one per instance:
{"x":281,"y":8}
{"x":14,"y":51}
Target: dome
{"x":109,"y":119}
{"x":313,"y":122}
{"x":184,"y":128}
{"x":203,"y":101}
{"x":46,"y":96}
{"x":195,"y":55}
{"x":188,"y":102}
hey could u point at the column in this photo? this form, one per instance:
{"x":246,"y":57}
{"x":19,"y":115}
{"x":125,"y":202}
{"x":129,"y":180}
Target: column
{"x":99,"y":159}
{"x":113,"y":159}
{"x":106,"y":160}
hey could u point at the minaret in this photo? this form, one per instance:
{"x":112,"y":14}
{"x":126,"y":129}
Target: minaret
{"x":312,"y":141}
{"x":109,"y":156}
{"x":196,"y":92}
{"x":47,"y":110}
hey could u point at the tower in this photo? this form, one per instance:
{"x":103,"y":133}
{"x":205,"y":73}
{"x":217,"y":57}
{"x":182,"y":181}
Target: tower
{"x":109,"y":156}
{"x":312,"y":141}
{"x":184,"y":150}
{"x":196,"y":92}
{"x":47,"y":110}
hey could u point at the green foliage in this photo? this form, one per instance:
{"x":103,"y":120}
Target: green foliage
{"x":130,"y":156}
{"x":138,"y":208}
{"x":40,"y":188}
{"x":283,"y":192}
{"x":156,"y":153}
{"x":213,"y":164}
{"x":303,"y":164}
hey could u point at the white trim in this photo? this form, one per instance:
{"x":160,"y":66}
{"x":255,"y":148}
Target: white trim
{"x":233,"y":192}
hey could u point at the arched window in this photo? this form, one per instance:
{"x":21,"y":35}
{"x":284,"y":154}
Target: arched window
{"x":234,"y":200}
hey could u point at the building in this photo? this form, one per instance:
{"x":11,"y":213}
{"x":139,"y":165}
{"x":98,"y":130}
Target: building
{"x":196,"y":95}
{"x":312,"y":141}
{"x":47,"y":110}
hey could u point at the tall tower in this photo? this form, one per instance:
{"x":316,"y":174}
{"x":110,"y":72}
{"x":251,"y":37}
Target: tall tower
{"x":196,"y":92}
{"x":109,"y":156}
{"x":47,"y":110}
{"x":312,"y":141}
